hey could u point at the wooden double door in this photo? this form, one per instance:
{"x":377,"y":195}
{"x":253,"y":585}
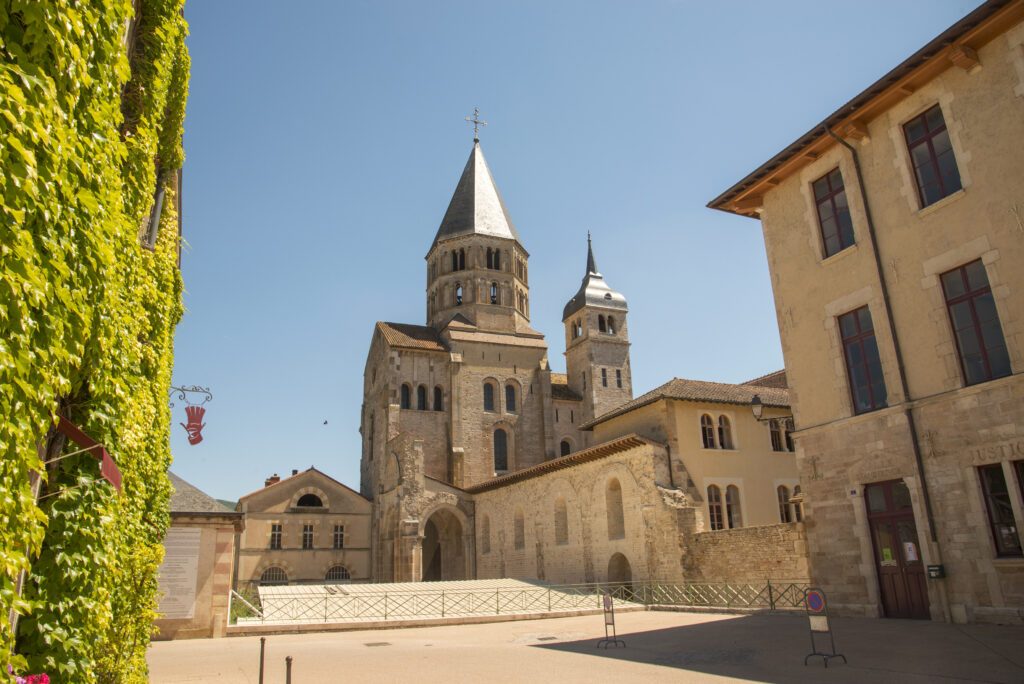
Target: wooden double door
{"x":901,"y":572}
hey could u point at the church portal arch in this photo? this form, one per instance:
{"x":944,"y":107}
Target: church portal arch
{"x":619,"y":570}
{"x":445,"y":555}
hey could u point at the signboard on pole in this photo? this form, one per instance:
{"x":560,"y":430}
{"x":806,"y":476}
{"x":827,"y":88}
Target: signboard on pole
{"x":816,"y":607}
{"x":610,"y":637}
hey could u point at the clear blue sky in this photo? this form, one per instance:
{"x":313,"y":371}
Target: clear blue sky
{"x":324,"y":140}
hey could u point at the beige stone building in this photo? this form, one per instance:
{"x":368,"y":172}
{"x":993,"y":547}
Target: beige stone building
{"x":305,"y":528}
{"x":895,"y":237}
{"x":196,"y":574}
{"x":482,"y":462}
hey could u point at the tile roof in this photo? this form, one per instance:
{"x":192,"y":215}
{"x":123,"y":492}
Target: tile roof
{"x":776,"y":380}
{"x":560,"y":388}
{"x":700,"y":391}
{"x":406,"y":336}
{"x":187,"y":498}
{"x":598,"y":451}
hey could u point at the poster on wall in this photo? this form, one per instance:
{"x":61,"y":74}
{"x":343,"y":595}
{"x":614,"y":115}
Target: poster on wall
{"x":178,"y":573}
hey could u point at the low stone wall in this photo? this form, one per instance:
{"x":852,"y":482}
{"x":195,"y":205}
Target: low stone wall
{"x":748,"y":554}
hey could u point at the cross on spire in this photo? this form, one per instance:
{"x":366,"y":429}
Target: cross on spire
{"x":477,"y":123}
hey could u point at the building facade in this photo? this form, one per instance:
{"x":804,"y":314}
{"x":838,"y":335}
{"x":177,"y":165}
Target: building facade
{"x":483,"y":463}
{"x":893,"y":232}
{"x":307,"y":528}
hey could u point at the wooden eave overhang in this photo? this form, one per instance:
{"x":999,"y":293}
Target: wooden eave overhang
{"x":957,"y":46}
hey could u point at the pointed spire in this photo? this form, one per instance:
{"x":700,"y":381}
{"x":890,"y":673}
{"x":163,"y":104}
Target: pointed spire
{"x":476,"y":206}
{"x":591,"y":265}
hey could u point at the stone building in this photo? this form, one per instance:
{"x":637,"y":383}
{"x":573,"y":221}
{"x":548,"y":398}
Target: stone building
{"x":196,"y":574}
{"x":305,"y":528}
{"x":893,"y":230}
{"x":482,"y":462}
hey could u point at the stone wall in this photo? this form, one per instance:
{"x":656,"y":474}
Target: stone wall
{"x":748,"y":554}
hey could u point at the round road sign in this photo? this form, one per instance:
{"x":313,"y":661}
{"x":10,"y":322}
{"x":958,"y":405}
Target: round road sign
{"x":815,"y":601}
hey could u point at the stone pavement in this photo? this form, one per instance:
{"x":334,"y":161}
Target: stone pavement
{"x":661,"y":647}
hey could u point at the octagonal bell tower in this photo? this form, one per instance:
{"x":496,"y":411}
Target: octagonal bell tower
{"x":476,"y":266}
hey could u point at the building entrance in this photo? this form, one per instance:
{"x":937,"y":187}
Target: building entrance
{"x":897,"y":551}
{"x":444,"y":556}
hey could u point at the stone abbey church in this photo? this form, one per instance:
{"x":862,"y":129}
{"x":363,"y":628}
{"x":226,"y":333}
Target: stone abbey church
{"x":481,"y":462}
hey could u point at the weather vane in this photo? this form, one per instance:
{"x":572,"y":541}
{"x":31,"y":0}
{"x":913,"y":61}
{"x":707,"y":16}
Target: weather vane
{"x":477,"y":123}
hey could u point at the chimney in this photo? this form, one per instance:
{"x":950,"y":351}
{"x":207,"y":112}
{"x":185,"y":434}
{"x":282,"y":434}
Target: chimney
{"x":273,"y":479}
{"x":295,"y":471}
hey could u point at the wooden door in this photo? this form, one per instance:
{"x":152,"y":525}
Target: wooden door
{"x":901,"y":576}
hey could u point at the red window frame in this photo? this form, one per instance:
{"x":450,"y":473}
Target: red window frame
{"x":971,"y":297}
{"x":858,"y":339}
{"x":832,"y":191}
{"x":928,"y":138}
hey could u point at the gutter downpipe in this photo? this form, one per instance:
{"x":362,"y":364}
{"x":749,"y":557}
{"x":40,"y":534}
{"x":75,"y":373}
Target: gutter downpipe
{"x":918,"y":459}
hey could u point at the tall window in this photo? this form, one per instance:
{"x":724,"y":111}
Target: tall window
{"x":406,"y":397}
{"x":339,"y":536}
{"x":519,"y":530}
{"x":732,"y":507}
{"x":565,"y":447}
{"x":785,"y":510}
{"x":338,"y":573}
{"x":601,"y":326}
{"x":715,"y":507}
{"x":604,"y":377}
{"x":613,"y":509}
{"x":931,"y":153}
{"x":788,"y":425}
{"x":485,"y":534}
{"x":798,"y":508}
{"x":438,"y":399}
{"x":707,"y":431}
{"x":500,"y":451}
{"x":275,"y":536}
{"x":776,"y":430}
{"x":421,"y":398}
{"x":618,"y":379}
{"x":1000,"y":510}
{"x":510,"y":398}
{"x":863,"y":365}
{"x":611,"y":325}
{"x":561,"y":522}
{"x":458,"y":294}
{"x":494,"y":293}
{"x":972,"y":313}
{"x":724,"y":433}
{"x":488,"y":396}
{"x":833,"y":212}
{"x":307,"y":536}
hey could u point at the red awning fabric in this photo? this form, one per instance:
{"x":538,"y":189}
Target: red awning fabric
{"x":107,"y":466}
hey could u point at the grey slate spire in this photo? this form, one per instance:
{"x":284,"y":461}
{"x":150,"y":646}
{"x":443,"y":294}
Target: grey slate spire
{"x":594,"y":291}
{"x":476,"y":206}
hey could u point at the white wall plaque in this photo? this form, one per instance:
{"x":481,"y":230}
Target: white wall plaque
{"x":178,"y":573}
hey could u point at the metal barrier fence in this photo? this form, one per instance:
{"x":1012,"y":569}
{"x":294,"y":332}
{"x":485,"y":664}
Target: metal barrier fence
{"x":335,"y":603}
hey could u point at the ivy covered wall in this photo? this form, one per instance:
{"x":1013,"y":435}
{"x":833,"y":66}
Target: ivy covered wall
{"x":92,"y":101}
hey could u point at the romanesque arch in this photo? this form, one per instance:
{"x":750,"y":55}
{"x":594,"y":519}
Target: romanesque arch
{"x":445,"y":549}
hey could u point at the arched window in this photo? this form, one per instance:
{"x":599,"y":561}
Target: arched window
{"x":310,"y":500}
{"x":707,"y":431}
{"x":421,"y":397}
{"x":510,"y":398}
{"x":485,"y":534}
{"x":455,"y":261}
{"x":601,"y":324}
{"x":497,"y":260}
{"x":798,"y":507}
{"x":274,"y":575}
{"x":566,"y":447}
{"x":494,"y":293}
{"x":438,"y":399}
{"x":732,"y":507}
{"x":462,"y":259}
{"x":715,"y":507}
{"x":776,"y":432}
{"x":500,"y":451}
{"x":519,"y":530}
{"x":488,"y":396}
{"x":561,"y":522}
{"x":406,"y":397}
{"x":785,"y":512}
{"x":724,"y":433}
{"x":613,"y":509}
{"x":611,"y":325}
{"x":338,"y":573}
{"x":789,"y":435}
{"x":490,"y":258}
{"x":458,"y":294}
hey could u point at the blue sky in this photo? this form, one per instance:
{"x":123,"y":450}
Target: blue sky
{"x":323,"y":146}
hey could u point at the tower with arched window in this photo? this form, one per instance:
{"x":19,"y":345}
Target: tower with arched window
{"x":597,"y":343}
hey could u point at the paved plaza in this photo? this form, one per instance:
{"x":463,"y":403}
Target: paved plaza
{"x":661,"y":646}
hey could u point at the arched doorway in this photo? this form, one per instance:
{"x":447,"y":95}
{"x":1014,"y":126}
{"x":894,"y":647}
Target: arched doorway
{"x":619,"y":571}
{"x":444,"y":552}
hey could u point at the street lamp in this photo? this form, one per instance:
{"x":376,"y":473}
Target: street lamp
{"x":756,"y":407}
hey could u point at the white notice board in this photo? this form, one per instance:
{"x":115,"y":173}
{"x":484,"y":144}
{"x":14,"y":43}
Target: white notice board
{"x":178,"y":573}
